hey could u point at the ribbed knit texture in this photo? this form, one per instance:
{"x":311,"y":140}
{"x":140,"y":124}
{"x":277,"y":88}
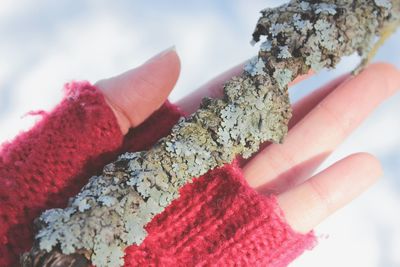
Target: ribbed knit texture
{"x":218,"y":219}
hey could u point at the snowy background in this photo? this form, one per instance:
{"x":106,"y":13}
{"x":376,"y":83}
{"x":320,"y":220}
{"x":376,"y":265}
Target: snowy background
{"x":45,"y":43}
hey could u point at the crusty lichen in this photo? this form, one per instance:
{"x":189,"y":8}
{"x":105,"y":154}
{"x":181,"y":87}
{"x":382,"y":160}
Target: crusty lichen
{"x":112,"y":210}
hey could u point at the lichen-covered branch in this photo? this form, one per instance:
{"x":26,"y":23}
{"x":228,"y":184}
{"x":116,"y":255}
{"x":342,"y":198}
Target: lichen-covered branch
{"x":112,"y":210}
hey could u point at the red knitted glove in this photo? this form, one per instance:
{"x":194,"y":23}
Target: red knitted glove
{"x":217,"y":220}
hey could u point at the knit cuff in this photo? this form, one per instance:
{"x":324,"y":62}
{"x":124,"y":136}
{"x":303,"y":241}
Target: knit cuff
{"x":71,"y":141}
{"x":43,"y":167}
{"x":219,"y":220}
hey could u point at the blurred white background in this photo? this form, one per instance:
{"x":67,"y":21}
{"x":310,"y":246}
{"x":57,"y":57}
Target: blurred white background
{"x":45,"y":43}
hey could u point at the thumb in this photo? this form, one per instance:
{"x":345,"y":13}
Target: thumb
{"x":134,"y":95}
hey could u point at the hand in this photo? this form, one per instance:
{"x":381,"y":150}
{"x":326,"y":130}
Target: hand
{"x":321,"y":121}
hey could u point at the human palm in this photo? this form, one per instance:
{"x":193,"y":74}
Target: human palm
{"x":320,"y":122}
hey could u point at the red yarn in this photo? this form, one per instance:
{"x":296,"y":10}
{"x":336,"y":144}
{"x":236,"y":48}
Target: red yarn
{"x":218,"y":219}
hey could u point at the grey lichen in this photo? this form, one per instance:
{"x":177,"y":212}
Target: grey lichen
{"x":284,"y":52}
{"x":278,"y":28}
{"x":326,"y":35}
{"x":304,"y":5}
{"x":301,"y":25}
{"x":384,"y":3}
{"x":326,"y":8}
{"x":266,"y":46}
{"x":283,"y":77}
{"x":112,"y":210}
{"x":255,"y":66}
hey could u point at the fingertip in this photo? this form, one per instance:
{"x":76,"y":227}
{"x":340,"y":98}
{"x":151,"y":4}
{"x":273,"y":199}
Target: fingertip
{"x":159,"y":74}
{"x":372,"y":165}
{"x":167,"y":66}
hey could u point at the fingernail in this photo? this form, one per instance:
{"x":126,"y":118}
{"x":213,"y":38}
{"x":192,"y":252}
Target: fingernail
{"x":161,"y":54}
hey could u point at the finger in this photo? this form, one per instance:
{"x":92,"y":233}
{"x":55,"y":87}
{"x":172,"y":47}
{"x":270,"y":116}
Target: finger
{"x":134,"y":95}
{"x":310,"y":141}
{"x":306,"y":205}
{"x":214,"y":89}
{"x":302,"y":107}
